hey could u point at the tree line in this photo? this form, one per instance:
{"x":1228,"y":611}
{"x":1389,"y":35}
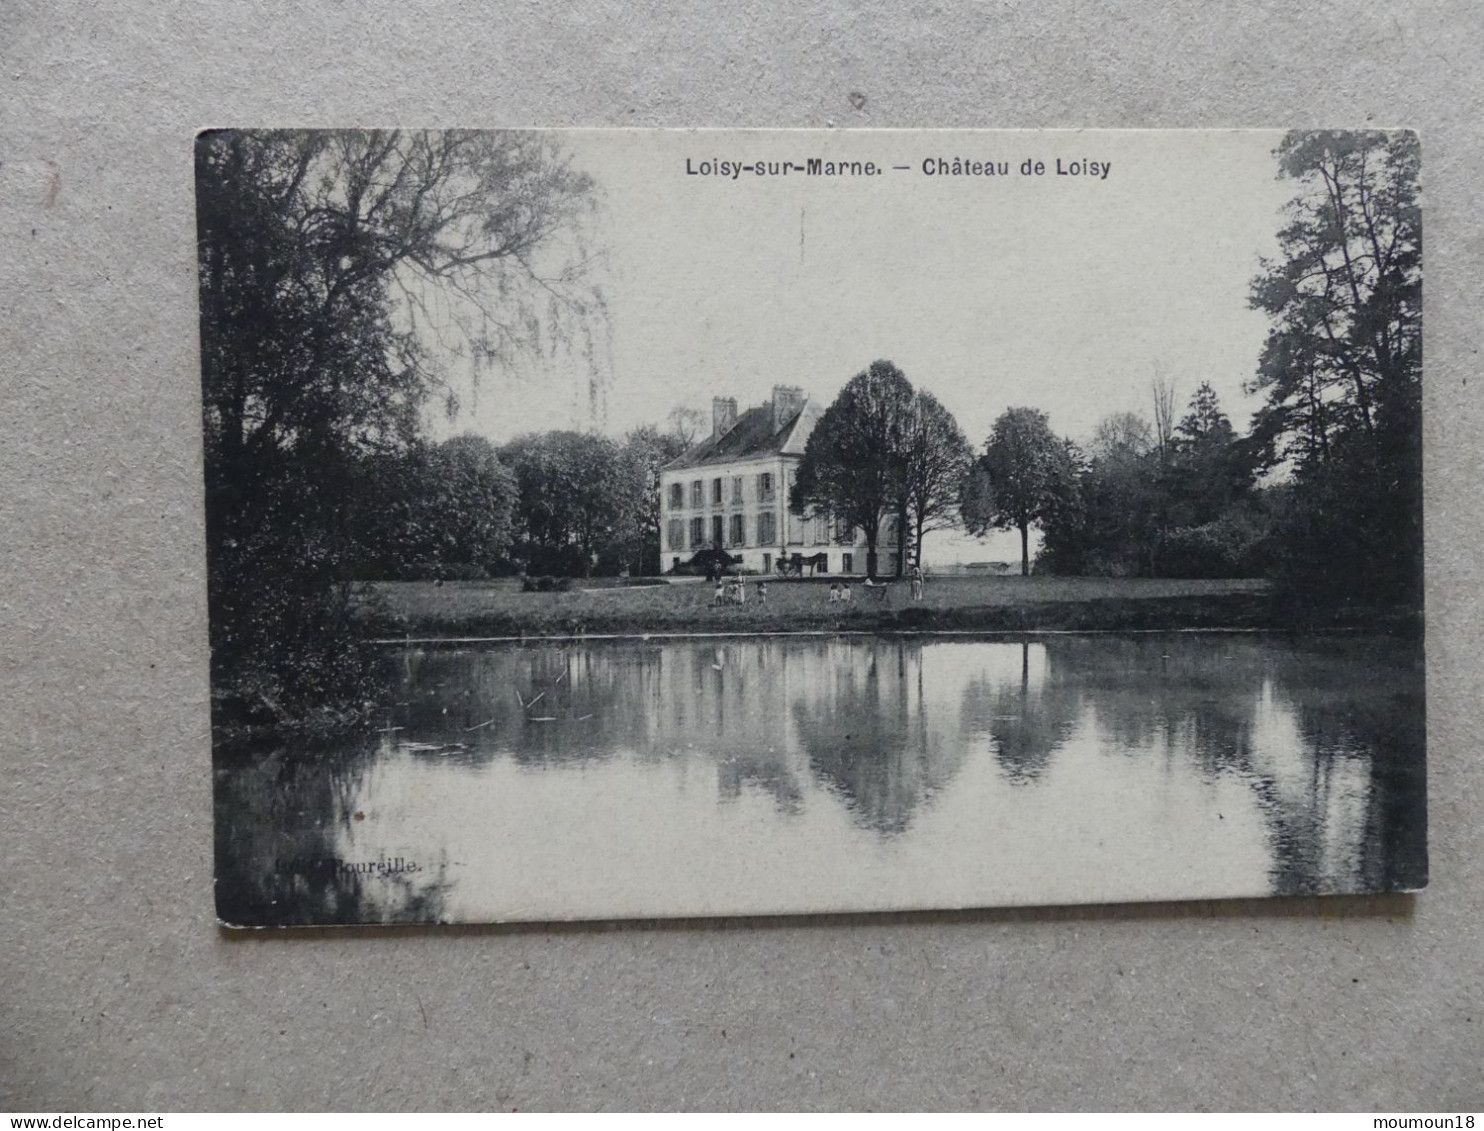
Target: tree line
{"x":564,"y":503}
{"x":1323,"y":493}
{"x":1142,"y":500}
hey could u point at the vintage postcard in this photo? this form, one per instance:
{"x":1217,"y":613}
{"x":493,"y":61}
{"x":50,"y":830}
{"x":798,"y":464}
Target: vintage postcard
{"x":635,"y":523}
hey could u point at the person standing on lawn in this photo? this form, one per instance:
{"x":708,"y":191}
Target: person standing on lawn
{"x":916,"y":581}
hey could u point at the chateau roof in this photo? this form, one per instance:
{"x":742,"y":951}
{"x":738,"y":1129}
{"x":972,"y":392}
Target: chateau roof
{"x":753,"y":437}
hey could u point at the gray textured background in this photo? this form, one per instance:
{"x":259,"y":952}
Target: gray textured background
{"x":116,"y":989}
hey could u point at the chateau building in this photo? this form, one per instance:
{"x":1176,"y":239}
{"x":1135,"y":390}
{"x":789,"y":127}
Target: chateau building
{"x":731,"y":490}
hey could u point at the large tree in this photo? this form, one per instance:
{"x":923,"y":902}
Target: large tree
{"x":642,"y":457}
{"x":469,"y":504}
{"x":572,"y":504}
{"x":1210,"y":468}
{"x":1113,"y":531}
{"x":855,"y":463}
{"x":432,"y":510}
{"x":939,"y":460}
{"x":1342,"y":368}
{"x":1026,"y":476}
{"x":336,"y":268}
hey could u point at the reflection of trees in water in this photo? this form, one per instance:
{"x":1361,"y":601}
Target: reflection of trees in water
{"x":1026,"y":719}
{"x":765,"y":772}
{"x":867,"y":733}
{"x":679,"y":701}
{"x":542,"y":705}
{"x":280,"y":817}
{"x":1369,"y":769}
{"x":767,"y":714}
{"x":1327,"y":732}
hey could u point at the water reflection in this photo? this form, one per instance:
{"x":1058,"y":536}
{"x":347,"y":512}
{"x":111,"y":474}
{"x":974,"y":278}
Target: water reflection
{"x":793,"y":774}
{"x":863,"y":722}
{"x":286,"y":843}
{"x":1025,"y":719}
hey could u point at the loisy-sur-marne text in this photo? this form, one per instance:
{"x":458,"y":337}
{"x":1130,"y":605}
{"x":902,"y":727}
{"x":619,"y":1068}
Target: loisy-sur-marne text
{"x":731,"y":170}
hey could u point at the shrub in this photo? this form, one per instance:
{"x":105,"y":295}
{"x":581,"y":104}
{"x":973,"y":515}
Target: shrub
{"x":546,"y":584}
{"x":1234,"y":545}
{"x":444,"y":571}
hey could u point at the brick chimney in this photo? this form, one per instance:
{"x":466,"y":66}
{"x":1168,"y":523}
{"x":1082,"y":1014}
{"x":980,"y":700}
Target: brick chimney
{"x":723,"y":415}
{"x":787,"y":400}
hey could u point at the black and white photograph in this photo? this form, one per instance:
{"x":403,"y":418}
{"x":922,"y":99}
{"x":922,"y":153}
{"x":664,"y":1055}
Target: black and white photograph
{"x":611,"y":524}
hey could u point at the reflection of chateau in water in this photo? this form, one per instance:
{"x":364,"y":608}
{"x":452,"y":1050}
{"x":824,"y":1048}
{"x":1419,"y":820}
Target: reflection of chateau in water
{"x":773,"y":715}
{"x":526,"y":767}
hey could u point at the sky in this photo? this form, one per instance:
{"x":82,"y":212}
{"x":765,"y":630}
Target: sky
{"x":1066,"y":293}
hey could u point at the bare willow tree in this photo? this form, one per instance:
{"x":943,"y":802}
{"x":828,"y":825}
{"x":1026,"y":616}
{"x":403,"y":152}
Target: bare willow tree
{"x":340,"y":273}
{"x":1162,"y":386}
{"x":1121,"y":434}
{"x":686,"y":424}
{"x":339,"y":268}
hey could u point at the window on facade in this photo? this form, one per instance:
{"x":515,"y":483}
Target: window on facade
{"x":675,"y":534}
{"x":793,"y":477}
{"x":717,"y":531}
{"x":767,"y":528}
{"x":736,"y":489}
{"x":795,"y":529}
{"x":844,"y":535}
{"x":821,"y":530}
{"x":677,"y":496}
{"x":765,"y":487}
{"x":716,"y":491}
{"x":696,"y":498}
{"x":697,"y":533}
{"x":847,"y":563}
{"x":739,"y":530}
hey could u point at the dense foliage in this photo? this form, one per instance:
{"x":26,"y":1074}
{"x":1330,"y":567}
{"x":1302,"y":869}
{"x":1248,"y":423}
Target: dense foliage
{"x":433,"y":512}
{"x":326,"y":260}
{"x":1184,"y":507}
{"x":1341,"y":372}
{"x":587,"y":503}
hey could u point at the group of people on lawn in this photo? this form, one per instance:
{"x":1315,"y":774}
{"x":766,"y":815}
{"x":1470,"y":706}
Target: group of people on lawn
{"x":732,"y":590}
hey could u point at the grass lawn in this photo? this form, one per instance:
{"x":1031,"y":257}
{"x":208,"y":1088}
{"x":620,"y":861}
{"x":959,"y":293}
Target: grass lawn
{"x":500,"y":608}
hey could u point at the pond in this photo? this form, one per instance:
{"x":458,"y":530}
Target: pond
{"x":790,"y":774}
